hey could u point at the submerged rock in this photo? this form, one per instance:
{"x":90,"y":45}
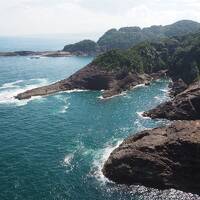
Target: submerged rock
{"x":185,"y":106}
{"x":166,"y":157}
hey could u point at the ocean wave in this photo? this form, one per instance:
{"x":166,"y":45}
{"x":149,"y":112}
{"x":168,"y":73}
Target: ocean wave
{"x":11,"y":84}
{"x":65,"y":100}
{"x":99,"y":159}
{"x":68,"y":158}
{"x":165,"y":90}
{"x":138,"y":125}
{"x":12,"y":89}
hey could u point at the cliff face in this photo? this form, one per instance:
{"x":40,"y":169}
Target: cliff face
{"x":184,"y":106}
{"x":166,"y":157}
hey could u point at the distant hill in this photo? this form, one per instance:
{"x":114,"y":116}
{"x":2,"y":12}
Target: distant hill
{"x":127,"y":37}
{"x":179,"y":55}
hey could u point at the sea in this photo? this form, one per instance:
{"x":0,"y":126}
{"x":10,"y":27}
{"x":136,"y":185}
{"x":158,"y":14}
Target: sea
{"x":54,"y":147}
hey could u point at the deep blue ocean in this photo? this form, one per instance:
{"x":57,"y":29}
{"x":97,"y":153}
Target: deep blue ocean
{"x":53,"y":148}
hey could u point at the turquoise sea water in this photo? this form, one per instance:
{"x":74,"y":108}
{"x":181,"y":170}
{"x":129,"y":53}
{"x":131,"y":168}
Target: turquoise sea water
{"x":53,"y":148}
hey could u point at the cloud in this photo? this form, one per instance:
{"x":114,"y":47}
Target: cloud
{"x":19,"y":17}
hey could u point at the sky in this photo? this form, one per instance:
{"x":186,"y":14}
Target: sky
{"x":40,"y":17}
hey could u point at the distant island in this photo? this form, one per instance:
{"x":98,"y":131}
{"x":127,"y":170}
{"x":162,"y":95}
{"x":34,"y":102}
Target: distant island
{"x":123,"y":39}
{"x":127,"y":37}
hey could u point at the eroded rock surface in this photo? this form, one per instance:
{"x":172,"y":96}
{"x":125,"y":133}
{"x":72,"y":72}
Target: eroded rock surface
{"x":185,"y":106}
{"x":166,"y":157}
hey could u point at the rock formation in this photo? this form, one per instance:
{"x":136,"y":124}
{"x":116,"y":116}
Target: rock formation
{"x":92,"y":77}
{"x":166,"y":157}
{"x":184,"y":106}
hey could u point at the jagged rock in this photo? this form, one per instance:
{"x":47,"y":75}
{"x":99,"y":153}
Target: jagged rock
{"x":166,"y":157}
{"x":185,"y":106}
{"x":177,"y":87}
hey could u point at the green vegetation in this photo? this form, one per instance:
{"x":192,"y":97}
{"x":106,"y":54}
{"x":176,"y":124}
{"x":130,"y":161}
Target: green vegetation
{"x":180,"y":55}
{"x":85,"y":46}
{"x":128,"y":37}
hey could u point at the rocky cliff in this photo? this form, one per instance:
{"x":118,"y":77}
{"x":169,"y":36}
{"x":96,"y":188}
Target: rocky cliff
{"x":184,"y":106}
{"x":166,"y":157}
{"x":92,"y":77}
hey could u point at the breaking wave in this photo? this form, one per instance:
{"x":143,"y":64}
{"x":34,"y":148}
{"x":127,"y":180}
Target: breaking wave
{"x":8,"y":91}
{"x":99,"y":159}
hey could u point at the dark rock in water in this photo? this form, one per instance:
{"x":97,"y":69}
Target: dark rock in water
{"x":185,"y":106}
{"x":177,"y":87}
{"x":163,"y":158}
{"x":91,"y":77}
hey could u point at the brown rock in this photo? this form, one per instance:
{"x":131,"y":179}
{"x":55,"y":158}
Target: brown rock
{"x":185,"y":106}
{"x":91,"y":77}
{"x":166,"y":157}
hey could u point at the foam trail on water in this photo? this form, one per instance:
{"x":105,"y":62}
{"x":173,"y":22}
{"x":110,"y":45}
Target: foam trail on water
{"x":74,"y":90}
{"x":64,"y":100}
{"x":68,"y":158}
{"x":100,"y":158}
{"x":117,"y":95}
{"x":11,"y":84}
{"x":8,"y":91}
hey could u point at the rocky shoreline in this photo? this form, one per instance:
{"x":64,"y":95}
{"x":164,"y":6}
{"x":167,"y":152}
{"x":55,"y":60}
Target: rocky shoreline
{"x":92,"y":77}
{"x":164,"y":157}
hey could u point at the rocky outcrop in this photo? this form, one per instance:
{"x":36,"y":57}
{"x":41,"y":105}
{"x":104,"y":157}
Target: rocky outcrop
{"x":177,"y":86}
{"x":166,"y":157}
{"x":185,"y":106}
{"x":92,"y":77}
{"x":36,"y":54}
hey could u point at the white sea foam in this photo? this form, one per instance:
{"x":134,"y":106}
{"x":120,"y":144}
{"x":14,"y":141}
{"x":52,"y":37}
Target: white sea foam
{"x":121,"y":94}
{"x":64,"y":109}
{"x":10,"y":90}
{"x":73,"y":91}
{"x":139,"y":85}
{"x":64,"y":100}
{"x":166,"y":90}
{"x":100,"y":157}
{"x":11,"y":84}
{"x":117,"y":95}
{"x":140,"y":114}
{"x":68,"y":158}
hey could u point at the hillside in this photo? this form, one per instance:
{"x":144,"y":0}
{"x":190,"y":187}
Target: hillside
{"x":127,"y":37}
{"x":119,"y":70}
{"x":179,"y":55}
